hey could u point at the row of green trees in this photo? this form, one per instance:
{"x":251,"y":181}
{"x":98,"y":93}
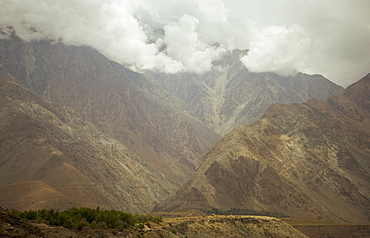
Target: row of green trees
{"x":78,"y":217}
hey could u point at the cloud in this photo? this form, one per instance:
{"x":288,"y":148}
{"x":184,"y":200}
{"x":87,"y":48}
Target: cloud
{"x":328,"y":37}
{"x":184,"y":46}
{"x":278,"y":49}
{"x":214,"y":10}
{"x":108,"y":26}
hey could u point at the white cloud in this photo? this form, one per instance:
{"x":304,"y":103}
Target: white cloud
{"x":184,"y":46}
{"x":278,"y":49}
{"x":109,"y":26}
{"x":327,"y":37}
{"x":330,"y":37}
{"x":214,"y":10}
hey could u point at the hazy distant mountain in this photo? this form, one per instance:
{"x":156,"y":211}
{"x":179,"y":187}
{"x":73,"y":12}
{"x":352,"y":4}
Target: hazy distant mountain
{"x":51,"y":158}
{"x":304,"y":159}
{"x":230,"y":95}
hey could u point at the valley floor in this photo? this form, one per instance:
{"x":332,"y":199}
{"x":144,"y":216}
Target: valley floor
{"x":193,"y":226}
{"x":322,"y":229}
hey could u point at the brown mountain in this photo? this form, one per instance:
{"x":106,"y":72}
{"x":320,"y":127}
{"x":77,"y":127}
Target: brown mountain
{"x":51,"y":158}
{"x":129,"y":107}
{"x":53,"y":153}
{"x":305,"y":159}
{"x":230,"y":95}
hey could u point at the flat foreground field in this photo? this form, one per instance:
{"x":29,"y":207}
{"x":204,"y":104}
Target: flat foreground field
{"x":322,"y":229}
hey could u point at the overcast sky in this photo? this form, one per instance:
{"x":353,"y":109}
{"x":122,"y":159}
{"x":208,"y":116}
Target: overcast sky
{"x":329,"y":37}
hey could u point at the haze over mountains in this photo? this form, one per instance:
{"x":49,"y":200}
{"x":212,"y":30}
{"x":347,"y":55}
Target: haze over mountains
{"x":84,"y":130}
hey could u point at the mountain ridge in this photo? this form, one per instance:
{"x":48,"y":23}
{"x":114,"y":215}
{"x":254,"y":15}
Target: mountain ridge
{"x":230,"y":95}
{"x":301,"y":159}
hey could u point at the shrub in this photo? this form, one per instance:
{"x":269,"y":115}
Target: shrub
{"x":78,"y":217}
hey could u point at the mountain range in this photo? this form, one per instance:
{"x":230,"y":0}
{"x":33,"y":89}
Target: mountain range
{"x":230,"y":95}
{"x":303,"y":159}
{"x":78,"y":129}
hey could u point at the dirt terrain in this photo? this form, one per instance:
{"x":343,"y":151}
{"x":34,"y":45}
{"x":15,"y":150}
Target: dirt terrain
{"x":197,"y":226}
{"x":194,"y":226}
{"x":322,"y":229}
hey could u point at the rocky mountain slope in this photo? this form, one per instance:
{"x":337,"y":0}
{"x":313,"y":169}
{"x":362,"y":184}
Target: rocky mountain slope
{"x":304,"y":159}
{"x":124,"y":104}
{"x":54,"y":154}
{"x":230,"y":95}
{"x":51,"y":158}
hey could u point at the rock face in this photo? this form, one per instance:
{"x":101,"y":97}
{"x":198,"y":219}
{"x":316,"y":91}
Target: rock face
{"x":305,"y":159}
{"x":230,"y":95}
{"x":51,"y":158}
